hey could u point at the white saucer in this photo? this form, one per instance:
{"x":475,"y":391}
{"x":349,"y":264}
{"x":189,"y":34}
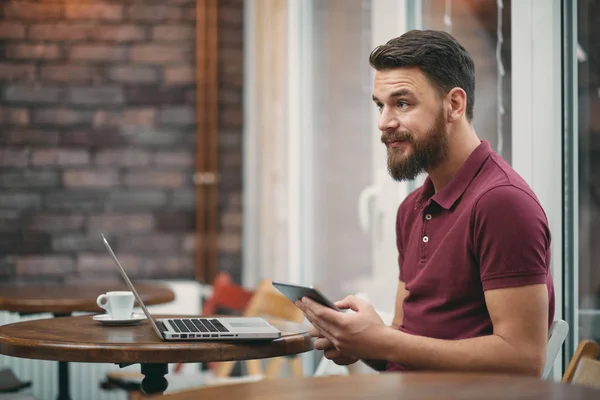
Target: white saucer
{"x":105,"y":319}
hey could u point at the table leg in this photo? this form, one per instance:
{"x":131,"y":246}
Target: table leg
{"x":63,"y":374}
{"x":63,"y":381}
{"x":154,"y":381}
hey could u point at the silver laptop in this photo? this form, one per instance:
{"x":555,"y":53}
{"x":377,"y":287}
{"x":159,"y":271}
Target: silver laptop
{"x":202,"y":328}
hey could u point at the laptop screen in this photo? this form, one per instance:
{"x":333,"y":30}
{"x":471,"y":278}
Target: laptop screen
{"x":130,"y":285}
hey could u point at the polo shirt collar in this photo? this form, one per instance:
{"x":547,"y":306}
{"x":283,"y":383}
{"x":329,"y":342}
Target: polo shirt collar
{"x":450,"y":194}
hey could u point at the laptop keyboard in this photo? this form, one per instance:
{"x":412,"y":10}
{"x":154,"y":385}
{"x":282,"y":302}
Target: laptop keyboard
{"x":197,"y":325}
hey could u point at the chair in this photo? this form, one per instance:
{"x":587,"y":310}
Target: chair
{"x":584,"y":368}
{"x":9,"y":383}
{"x":556,"y":337}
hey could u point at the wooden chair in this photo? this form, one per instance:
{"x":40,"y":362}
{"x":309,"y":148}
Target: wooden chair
{"x":584,"y":368}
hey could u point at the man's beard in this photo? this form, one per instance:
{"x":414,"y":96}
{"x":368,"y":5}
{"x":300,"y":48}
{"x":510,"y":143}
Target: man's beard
{"x":429,"y":151}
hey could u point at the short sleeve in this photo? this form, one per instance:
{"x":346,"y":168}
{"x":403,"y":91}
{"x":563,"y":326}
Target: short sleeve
{"x":511,"y":238}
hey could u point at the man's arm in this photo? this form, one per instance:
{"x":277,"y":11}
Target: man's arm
{"x":379,"y":365}
{"x":517,"y":345}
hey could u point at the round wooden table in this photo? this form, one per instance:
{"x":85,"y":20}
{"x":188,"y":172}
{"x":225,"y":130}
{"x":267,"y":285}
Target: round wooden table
{"x":63,"y":299}
{"x":81,"y":339}
{"x":405,"y":386}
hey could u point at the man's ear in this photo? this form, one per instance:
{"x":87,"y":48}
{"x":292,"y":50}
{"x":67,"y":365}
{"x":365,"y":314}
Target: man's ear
{"x":457,"y":104}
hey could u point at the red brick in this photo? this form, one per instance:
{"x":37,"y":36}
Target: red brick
{"x":96,"y":95}
{"x":29,"y":136}
{"x":164,"y":179}
{"x":62,"y":157}
{"x":230,"y":242}
{"x":231,"y":117}
{"x":87,"y":263}
{"x":32,"y":52}
{"x":32,"y":11}
{"x":228,"y":96}
{"x":154,"y":13}
{"x":17,"y":72}
{"x":173,"y":32}
{"x":12,"y":157}
{"x":93,"y":138}
{"x":174,"y":158}
{"x":175,"y":221}
{"x":109,"y":223}
{"x":143,"y":117}
{"x":170,"y":267}
{"x":133,"y":74}
{"x":32,"y":94}
{"x":44,"y":265}
{"x":53,"y":222}
{"x":161,"y":54}
{"x":229,"y":37}
{"x":160,"y":243}
{"x":59,"y":31}
{"x":231,"y":16}
{"x":68,"y":73}
{"x":90,"y":178}
{"x":61,"y":116}
{"x":188,"y":245}
{"x":107,"y":12}
{"x":97,"y":52}
{"x":118,"y":33}
{"x":14,"y":116}
{"x":11,"y":30}
{"x":231,"y":220}
{"x":177,"y":116}
{"x":122,"y":157}
{"x":179,"y":75}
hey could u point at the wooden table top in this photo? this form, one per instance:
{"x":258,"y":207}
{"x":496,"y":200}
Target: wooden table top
{"x":63,"y":298}
{"x":81,"y":339}
{"x":405,"y":386}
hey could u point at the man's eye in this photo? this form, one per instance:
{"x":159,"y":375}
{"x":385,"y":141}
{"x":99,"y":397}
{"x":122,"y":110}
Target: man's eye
{"x":402,"y":104}
{"x":379,"y":107}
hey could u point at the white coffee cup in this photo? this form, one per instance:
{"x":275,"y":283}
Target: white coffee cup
{"x":119,"y":305}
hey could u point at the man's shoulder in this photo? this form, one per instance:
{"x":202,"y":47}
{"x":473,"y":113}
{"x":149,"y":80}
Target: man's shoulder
{"x":502,"y":188}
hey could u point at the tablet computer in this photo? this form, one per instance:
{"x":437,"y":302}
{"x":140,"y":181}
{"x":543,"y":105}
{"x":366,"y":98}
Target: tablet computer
{"x":296,"y":292}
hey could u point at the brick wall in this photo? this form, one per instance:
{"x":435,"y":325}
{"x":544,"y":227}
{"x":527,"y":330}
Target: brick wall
{"x":97,"y":134}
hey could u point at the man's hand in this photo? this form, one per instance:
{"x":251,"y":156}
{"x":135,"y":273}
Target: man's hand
{"x":329,"y":350}
{"x":353,"y":335}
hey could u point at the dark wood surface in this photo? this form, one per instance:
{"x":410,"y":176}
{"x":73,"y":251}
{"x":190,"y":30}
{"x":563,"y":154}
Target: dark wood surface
{"x":81,"y":339}
{"x":67,"y":298}
{"x":405,"y":386}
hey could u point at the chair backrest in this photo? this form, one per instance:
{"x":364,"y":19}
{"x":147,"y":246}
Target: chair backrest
{"x":269,"y":302}
{"x":584,"y":369}
{"x":556,"y":337}
{"x":226,"y":295}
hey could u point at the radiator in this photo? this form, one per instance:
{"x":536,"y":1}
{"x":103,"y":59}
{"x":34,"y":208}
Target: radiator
{"x":85,"y":378}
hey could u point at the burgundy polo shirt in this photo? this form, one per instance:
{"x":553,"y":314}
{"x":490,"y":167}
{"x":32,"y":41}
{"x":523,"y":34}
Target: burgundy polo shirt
{"x":484,"y":230}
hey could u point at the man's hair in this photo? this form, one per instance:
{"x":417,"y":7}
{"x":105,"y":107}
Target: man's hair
{"x":441,"y":58}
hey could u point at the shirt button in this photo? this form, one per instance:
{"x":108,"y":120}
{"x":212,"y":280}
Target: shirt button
{"x":425,"y":239}
{"x":428,"y":217}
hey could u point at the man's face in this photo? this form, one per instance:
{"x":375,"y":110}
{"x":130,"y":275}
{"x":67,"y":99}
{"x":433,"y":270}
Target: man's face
{"x":412,"y":122}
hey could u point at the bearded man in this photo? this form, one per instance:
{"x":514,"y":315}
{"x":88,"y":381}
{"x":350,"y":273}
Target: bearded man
{"x":475,"y":291}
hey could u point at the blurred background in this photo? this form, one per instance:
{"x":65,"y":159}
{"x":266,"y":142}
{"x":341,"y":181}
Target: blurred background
{"x":239,"y":137}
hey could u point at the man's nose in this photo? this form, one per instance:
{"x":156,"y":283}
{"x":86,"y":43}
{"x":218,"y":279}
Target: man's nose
{"x":387,"y":121}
